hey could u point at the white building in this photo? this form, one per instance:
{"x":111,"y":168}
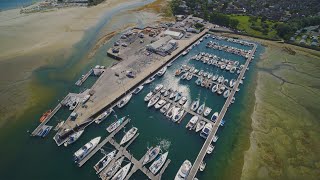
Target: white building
{"x":163,"y":46}
{"x":174,"y":34}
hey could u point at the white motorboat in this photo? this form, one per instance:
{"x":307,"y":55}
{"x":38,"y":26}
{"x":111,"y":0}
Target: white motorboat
{"x":178,"y":115}
{"x":129,"y":135}
{"x":220,"y":79}
{"x":203,"y":82}
{"x":151,"y":154}
{"x":148,"y":81}
{"x":103,"y":116}
{"x":158,"y":163}
{"x":162,"y":71}
{"x":232,"y":82}
{"x":184,"y":76}
{"x":115,"y":125}
{"x":104,"y":161}
{"x":110,"y":171}
{"x":233,"y":69}
{"x":214,"y":88}
{"x":173,"y":94}
{"x":198,"y":81}
{"x":164,"y":89}
{"x":205,"y":74}
{"x":138,"y":89}
{"x":226,"y":81}
{"x":206,"y":130}
{"x":167,"y":92}
{"x":165,"y":108}
{"x":160,"y":103}
{"x":177,"y":96}
{"x":202,"y":166}
{"x":85,"y":98}
{"x":124,"y":101}
{"x":122,"y":173}
{"x":153,"y":100}
{"x":207,"y":111}
{"x":170,"y":112}
{"x":189,"y":77}
{"x":158,"y":88}
{"x":195,"y":104}
{"x":148,"y":96}
{"x":215,"y":139}
{"x":215,"y":77}
{"x":183,"y":170}
{"x":73,"y":105}
{"x":222,"y":88}
{"x":184,"y":53}
{"x":228,"y":67}
{"x":75,"y":136}
{"x":86,"y":149}
{"x":214,"y":116}
{"x":201,"y":108}
{"x":210,"y":149}
{"x":193,"y":122}
{"x":183,"y":100}
{"x":200,"y":125}
{"x":226,"y":94}
{"x":200,"y":73}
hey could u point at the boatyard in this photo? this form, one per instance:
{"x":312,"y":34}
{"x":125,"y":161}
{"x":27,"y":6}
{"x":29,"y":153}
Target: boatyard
{"x":189,"y":80}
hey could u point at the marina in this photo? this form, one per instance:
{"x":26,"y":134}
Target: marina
{"x":186,"y":91}
{"x":100,"y":145}
{"x":212,"y":134}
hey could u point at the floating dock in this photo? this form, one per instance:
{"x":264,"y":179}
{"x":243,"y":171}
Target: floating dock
{"x":137,"y":164}
{"x":100,"y":145}
{"x":187,"y":110}
{"x":225,"y":107}
{"x":84,"y":78}
{"x":40,"y":126}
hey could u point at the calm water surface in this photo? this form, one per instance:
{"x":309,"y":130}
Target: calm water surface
{"x":36,"y":158}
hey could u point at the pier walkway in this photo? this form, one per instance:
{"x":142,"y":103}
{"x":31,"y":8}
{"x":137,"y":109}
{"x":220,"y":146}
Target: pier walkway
{"x":100,"y":145}
{"x":225,"y":107}
{"x":187,"y":110}
{"x":137,"y":164}
{"x":40,"y":126}
{"x":84,"y":78}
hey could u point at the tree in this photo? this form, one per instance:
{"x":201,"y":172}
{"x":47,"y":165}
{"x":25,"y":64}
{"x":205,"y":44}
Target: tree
{"x":284,"y":30}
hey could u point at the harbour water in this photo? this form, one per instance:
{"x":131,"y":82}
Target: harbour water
{"x":11,"y":4}
{"x":36,"y":158}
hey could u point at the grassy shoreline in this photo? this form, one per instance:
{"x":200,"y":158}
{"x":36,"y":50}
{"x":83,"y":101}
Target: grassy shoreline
{"x":283,"y":143}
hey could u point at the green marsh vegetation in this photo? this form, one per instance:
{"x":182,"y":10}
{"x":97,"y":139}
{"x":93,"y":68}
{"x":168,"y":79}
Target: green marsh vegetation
{"x":284,"y":143}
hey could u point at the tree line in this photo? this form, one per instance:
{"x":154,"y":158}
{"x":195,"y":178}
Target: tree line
{"x":286,"y":30}
{"x":199,"y":8}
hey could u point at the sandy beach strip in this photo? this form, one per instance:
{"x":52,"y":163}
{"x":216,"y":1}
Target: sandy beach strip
{"x":23,"y":33}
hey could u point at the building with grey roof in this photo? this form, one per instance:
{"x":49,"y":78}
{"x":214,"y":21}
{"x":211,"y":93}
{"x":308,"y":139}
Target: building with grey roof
{"x":164,"y":46}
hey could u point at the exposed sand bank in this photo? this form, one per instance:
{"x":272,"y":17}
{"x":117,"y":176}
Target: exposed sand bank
{"x":40,"y":39}
{"x":23,"y":33}
{"x":284,"y":143}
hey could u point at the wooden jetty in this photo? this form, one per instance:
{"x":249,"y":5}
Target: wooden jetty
{"x":187,"y":110}
{"x":55,"y":110}
{"x":137,"y":164}
{"x":84,"y":78}
{"x":208,"y":81}
{"x":100,"y":145}
{"x":225,"y":107}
